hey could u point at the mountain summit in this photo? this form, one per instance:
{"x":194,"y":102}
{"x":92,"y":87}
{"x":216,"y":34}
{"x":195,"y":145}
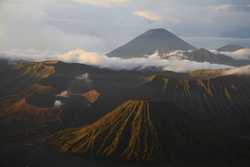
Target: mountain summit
{"x":153,"y":40}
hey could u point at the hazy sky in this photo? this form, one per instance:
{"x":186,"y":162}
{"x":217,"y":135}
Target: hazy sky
{"x":102,"y":25}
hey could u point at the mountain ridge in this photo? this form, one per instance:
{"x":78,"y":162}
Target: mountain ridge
{"x":230,"y":48}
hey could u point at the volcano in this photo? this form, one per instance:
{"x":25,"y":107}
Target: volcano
{"x":153,"y":40}
{"x":135,"y":130}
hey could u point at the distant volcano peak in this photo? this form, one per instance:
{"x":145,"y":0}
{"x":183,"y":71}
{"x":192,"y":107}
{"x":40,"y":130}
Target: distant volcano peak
{"x":150,"y":41}
{"x":159,"y":33}
{"x":157,"y":30}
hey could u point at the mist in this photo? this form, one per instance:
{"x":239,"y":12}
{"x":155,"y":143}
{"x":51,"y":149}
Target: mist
{"x":116,"y":63}
{"x":148,"y":61}
{"x":241,"y":54}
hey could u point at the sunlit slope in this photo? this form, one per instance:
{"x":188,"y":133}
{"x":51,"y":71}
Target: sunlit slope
{"x":18,"y":77}
{"x":135,"y":130}
{"x":119,"y":133}
{"x":37,"y":70}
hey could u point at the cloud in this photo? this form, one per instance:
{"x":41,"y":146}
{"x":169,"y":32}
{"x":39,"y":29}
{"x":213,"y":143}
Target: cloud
{"x":148,"y":15}
{"x":241,"y":54}
{"x":104,"y":3}
{"x":82,"y":56}
{"x":23,"y":26}
{"x":244,"y":70}
{"x":84,"y":77}
{"x":116,"y":63}
{"x":66,"y":24}
{"x":27,"y":54}
{"x":154,"y":60}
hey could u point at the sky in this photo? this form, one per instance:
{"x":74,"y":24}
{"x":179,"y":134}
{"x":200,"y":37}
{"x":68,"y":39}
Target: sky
{"x":45,"y":26}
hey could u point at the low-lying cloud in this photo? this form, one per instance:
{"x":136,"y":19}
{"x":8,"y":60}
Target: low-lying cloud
{"x":27,"y":54}
{"x":241,"y":54}
{"x":154,"y":60}
{"x":116,"y":63}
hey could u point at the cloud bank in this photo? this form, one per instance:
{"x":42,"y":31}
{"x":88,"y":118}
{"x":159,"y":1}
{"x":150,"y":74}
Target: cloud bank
{"x":241,"y":54}
{"x":116,"y":63}
{"x":154,"y":60}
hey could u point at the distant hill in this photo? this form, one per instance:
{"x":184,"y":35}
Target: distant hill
{"x":150,"y":41}
{"x":204,"y":55}
{"x":230,"y":48}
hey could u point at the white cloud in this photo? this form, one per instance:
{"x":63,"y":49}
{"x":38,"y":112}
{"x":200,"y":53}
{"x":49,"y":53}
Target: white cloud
{"x":27,"y":54}
{"x":105,"y":3}
{"x":244,"y":70}
{"x":154,"y":60}
{"x":23,"y":26}
{"x":84,"y":77}
{"x":82,"y":56}
{"x":116,"y":63}
{"x":148,"y":15}
{"x":241,"y":54}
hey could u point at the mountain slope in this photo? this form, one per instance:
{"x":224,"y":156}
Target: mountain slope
{"x":230,"y":48}
{"x":204,"y":55}
{"x":106,"y":136}
{"x":132,"y":131}
{"x":149,"y":42}
{"x":204,"y":114}
{"x":239,"y":71}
